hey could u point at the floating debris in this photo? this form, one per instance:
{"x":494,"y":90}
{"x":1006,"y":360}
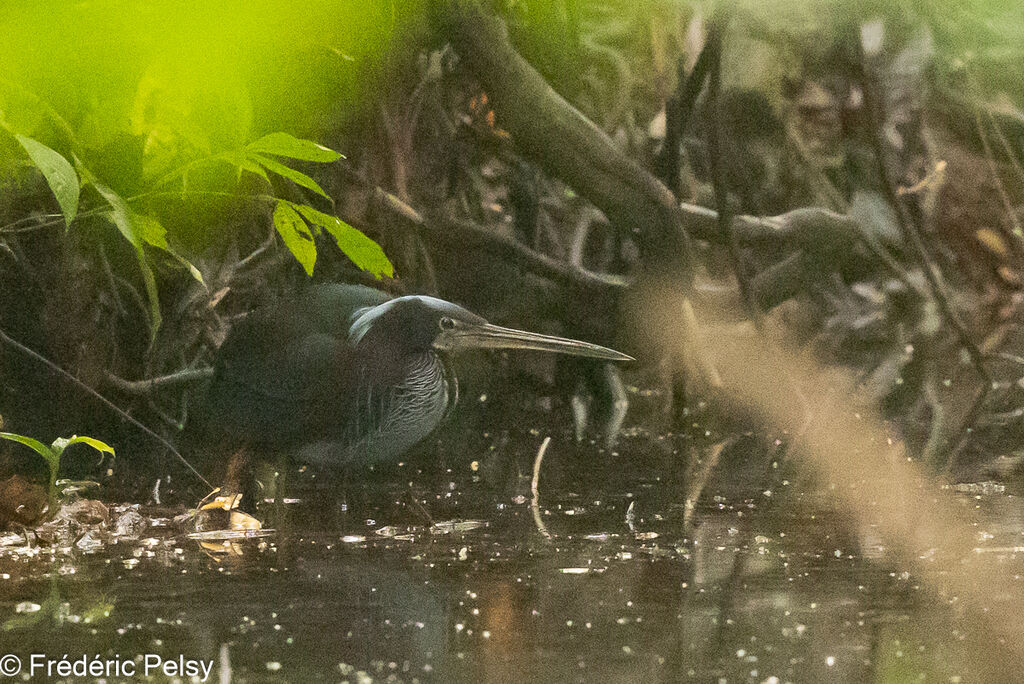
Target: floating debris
{"x":999,"y":549}
{"x":986,"y":488}
{"x":130,"y":524}
{"x":395,"y":532}
{"x":69,"y":488}
{"x":451,"y":526}
{"x":11,"y":540}
{"x":215,"y":535}
{"x":90,"y":541}
{"x":86,"y":512}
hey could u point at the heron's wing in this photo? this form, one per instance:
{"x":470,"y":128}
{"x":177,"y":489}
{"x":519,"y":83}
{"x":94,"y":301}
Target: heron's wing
{"x":329,"y":308}
{"x":278,"y":369}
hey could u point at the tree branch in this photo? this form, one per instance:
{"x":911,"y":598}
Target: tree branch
{"x":564,"y":143}
{"x":145,"y":387}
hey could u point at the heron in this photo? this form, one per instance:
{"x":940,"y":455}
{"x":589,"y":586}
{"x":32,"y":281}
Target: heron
{"x":346,"y":376}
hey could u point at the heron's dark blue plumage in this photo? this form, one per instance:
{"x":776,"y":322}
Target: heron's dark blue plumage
{"x":340,"y":373}
{"x":347,"y":374}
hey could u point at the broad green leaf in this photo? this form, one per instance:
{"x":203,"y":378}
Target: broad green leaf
{"x":364,"y":252}
{"x":59,"y":174}
{"x":33,"y":444}
{"x":62,"y":443}
{"x":296,"y":235}
{"x":284,"y":145}
{"x":121,"y":216}
{"x":291,"y":174}
{"x":252,"y":167}
{"x":51,"y":457}
{"x":153,"y":233}
{"x":149,"y":230}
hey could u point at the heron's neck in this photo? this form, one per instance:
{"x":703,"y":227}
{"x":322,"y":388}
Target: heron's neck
{"x":396,"y":414}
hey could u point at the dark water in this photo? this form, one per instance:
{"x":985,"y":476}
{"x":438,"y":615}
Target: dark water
{"x":769,"y":587}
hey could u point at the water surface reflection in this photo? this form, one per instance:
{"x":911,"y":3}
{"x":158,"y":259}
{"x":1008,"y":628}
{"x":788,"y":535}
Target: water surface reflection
{"x":773,"y":588}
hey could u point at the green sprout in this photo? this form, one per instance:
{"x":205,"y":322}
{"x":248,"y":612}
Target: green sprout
{"x":52,"y":455}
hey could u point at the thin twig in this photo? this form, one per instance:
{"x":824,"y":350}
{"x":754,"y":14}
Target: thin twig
{"x":964,"y":432}
{"x":1017,"y":234}
{"x":103,"y":400}
{"x":873,"y":106}
{"x":463,"y":233}
{"x":15,"y":228}
{"x":182,"y":195}
{"x":534,"y":484}
{"x":697,"y":477}
{"x":1005,"y":356}
{"x":875,"y":113}
{"x":146,"y":387}
{"x":264,"y":246}
{"x":1011,"y":153}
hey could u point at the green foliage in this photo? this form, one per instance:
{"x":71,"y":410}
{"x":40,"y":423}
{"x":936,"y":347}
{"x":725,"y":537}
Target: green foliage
{"x":52,"y":455}
{"x":59,"y":174}
{"x":140,"y":129}
{"x":142,"y":229}
{"x":298,"y":235}
{"x":364,"y":252}
{"x":284,"y":145}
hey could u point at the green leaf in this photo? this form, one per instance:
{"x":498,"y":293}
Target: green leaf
{"x":153,"y":233}
{"x":252,"y":167}
{"x":51,"y":457}
{"x":61,"y":443}
{"x":284,"y":145}
{"x":59,"y":174}
{"x":57,"y":450}
{"x":296,"y":235}
{"x":291,"y":174}
{"x":149,"y":230}
{"x":121,"y":216}
{"x":364,"y":252}
{"x":33,"y":444}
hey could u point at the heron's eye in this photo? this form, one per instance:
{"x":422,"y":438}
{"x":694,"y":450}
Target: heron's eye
{"x":446,"y":323}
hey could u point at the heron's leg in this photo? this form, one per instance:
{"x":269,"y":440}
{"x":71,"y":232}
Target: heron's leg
{"x":239,"y":472}
{"x":229,"y":495}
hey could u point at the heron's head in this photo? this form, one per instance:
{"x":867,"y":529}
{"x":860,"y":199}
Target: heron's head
{"x":418,"y":323}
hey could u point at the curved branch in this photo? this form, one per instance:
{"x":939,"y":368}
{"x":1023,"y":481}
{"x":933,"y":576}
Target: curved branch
{"x":549,"y":130}
{"x":144,"y":387}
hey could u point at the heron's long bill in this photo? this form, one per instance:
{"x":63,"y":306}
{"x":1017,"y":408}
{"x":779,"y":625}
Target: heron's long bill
{"x":488,"y":336}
